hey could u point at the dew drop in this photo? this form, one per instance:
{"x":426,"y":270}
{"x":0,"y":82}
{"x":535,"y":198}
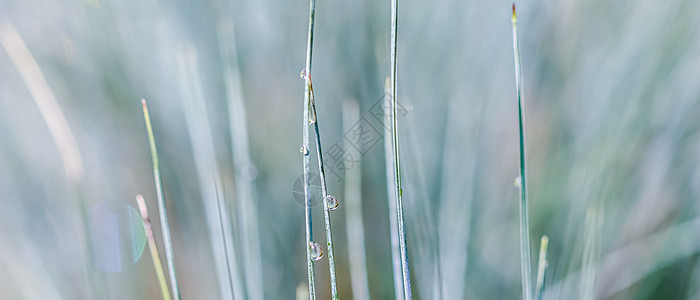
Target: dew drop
{"x":304,"y":151}
{"x":517,"y":182}
{"x":312,"y":112}
{"x":331,"y":202}
{"x":303,"y":73}
{"x":316,"y":251}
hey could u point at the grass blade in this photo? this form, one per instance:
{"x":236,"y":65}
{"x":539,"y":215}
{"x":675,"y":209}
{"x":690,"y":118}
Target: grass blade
{"x":217,"y":213}
{"x":355,"y":226}
{"x":242,"y":164}
{"x":591,"y":247}
{"x":167,"y":241}
{"x":45,"y":101}
{"x":397,"y":165}
{"x":61,"y":133}
{"x":305,"y":150}
{"x":153,"y":248}
{"x":542,"y":267}
{"x":324,"y":193}
{"x":393,"y":223}
{"x":525,"y":262}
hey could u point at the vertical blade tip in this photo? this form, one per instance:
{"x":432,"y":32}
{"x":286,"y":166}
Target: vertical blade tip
{"x":142,"y":206}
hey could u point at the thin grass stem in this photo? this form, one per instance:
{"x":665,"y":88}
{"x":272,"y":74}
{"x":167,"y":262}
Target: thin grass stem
{"x":45,"y":100}
{"x":542,"y":267}
{"x":391,"y":194}
{"x":397,"y":164}
{"x":153,"y":248}
{"x":305,"y":151}
{"x":167,"y":241}
{"x":525,"y":263}
{"x":242,"y":164}
{"x":324,"y":193}
{"x":355,"y":227}
{"x":589,"y":260}
{"x":221,"y":227}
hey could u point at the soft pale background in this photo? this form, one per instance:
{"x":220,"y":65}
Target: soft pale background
{"x":613,"y":113}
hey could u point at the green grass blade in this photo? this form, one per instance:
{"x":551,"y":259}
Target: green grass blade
{"x":391,"y":194}
{"x":219,"y":222}
{"x":324,"y":193}
{"x":242,"y":164}
{"x":525,"y":263}
{"x":591,"y":248}
{"x":305,"y":151}
{"x":167,"y":241}
{"x":397,"y":164}
{"x":355,"y":227}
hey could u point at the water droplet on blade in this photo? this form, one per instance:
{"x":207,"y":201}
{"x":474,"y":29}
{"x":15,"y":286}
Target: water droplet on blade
{"x":303,"y":73}
{"x":331,"y":202}
{"x":316,"y":251}
{"x":304,"y":151}
{"x":517,"y":182}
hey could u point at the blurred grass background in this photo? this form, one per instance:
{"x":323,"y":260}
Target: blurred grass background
{"x":613,"y":113}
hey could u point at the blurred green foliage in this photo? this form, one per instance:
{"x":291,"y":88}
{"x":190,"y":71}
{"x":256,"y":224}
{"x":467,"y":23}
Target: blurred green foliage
{"x":613,"y":113}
